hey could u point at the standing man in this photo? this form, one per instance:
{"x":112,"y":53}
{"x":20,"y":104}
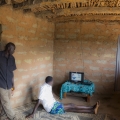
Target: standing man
{"x":7,"y":66}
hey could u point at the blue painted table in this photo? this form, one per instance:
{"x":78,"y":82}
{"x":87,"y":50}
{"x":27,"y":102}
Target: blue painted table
{"x":79,"y":88}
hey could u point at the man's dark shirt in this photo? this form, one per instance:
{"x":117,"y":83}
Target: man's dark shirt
{"x":7,"y":66}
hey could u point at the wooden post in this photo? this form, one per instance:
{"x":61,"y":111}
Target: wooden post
{"x":65,"y":94}
{"x":88,"y":98}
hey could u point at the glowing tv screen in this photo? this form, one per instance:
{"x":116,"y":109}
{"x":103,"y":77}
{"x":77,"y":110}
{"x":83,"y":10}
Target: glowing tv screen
{"x":76,"y":76}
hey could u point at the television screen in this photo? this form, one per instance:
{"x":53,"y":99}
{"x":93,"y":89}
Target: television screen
{"x":76,"y":76}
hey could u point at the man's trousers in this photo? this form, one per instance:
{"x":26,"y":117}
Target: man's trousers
{"x":5,"y":96}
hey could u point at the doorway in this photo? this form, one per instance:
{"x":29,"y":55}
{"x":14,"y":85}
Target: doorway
{"x":117,"y":72}
{"x":0,"y":35}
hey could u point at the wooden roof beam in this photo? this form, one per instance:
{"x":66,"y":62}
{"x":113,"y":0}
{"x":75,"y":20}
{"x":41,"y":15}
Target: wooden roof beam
{"x":88,"y":11}
{"x":98,"y":18}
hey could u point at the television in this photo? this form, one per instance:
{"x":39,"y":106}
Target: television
{"x":76,"y":76}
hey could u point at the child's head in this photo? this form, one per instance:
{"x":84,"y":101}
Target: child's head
{"x":49,"y":80}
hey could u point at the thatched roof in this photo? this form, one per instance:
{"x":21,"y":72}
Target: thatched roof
{"x":69,"y":10}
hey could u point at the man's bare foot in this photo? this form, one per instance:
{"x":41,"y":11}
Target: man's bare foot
{"x":98,"y":103}
{"x":96,"y":107}
{"x":29,"y":116}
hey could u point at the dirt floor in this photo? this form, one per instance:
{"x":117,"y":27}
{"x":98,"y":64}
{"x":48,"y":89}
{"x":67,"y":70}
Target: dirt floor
{"x":110,"y":103}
